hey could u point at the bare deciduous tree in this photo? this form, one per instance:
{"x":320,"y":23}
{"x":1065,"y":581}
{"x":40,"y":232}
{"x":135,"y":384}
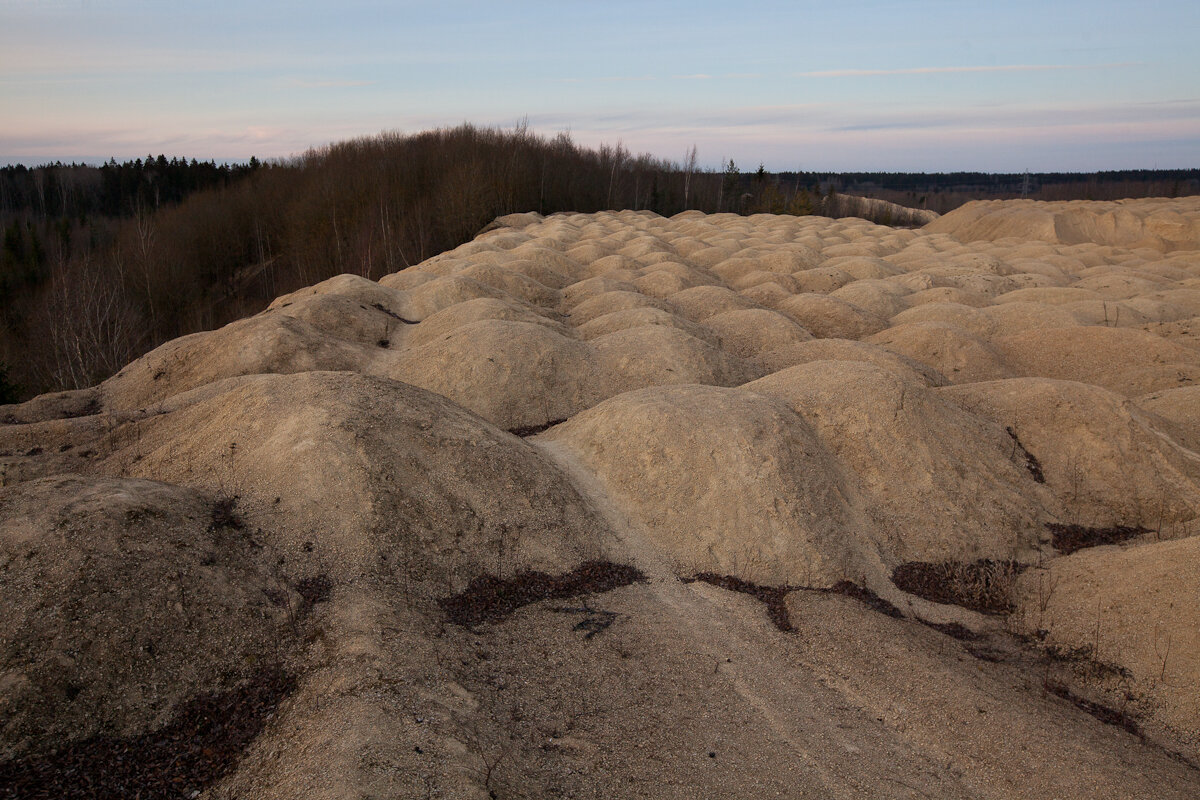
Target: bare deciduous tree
{"x":93,"y":328}
{"x":689,"y":167}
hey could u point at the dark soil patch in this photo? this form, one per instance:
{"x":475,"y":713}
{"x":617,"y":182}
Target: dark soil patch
{"x":392,"y":314}
{"x":225,"y":513}
{"x":952,"y":629}
{"x":1109,"y":716}
{"x":89,"y":409}
{"x":985,"y":652}
{"x":1031,"y":463}
{"x":201,"y":744}
{"x":1085,"y":662}
{"x":490,"y":598}
{"x":774,"y":597}
{"x":1069,"y":538}
{"x":314,"y":589}
{"x":984,"y":586}
{"x":865,"y":596}
{"x":533,"y":430}
{"x":1069,"y":654}
{"x":595,"y":620}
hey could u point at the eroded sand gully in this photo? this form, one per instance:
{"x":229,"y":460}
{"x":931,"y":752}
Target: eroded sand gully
{"x":435,"y":536}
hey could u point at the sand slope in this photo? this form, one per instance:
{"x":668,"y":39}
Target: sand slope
{"x":613,"y":505}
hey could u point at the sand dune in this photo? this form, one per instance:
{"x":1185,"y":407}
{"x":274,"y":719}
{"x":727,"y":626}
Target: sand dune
{"x":1155,"y":224}
{"x":613,"y":505}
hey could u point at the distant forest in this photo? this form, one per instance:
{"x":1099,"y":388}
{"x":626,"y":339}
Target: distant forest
{"x":101,"y":264}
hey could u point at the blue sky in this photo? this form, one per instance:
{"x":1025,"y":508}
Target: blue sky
{"x":933,"y":85}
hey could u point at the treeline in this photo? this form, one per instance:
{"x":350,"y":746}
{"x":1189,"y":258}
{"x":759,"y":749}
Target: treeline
{"x":944,"y":192}
{"x":111,"y":190}
{"x":1011,"y":182}
{"x":100,"y":264}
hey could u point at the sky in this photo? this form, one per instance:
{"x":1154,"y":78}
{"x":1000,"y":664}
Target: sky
{"x":839,"y":85}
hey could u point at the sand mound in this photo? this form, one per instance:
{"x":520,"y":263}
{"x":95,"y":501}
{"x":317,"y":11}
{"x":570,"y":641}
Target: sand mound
{"x":638,"y":317}
{"x":847,"y":350}
{"x":529,"y":375}
{"x":656,"y":355}
{"x":882,"y":298}
{"x":968,"y":318}
{"x":831,"y":318}
{"x":1158,"y":224}
{"x":271,"y":342}
{"x":950,"y":350}
{"x":670,"y":455}
{"x":369,"y":473}
{"x":609,"y":302}
{"x":1130,"y":362}
{"x":1100,"y":455}
{"x":432,"y":296}
{"x":908,"y":448}
{"x":702,"y":302}
{"x":750,"y":332}
{"x":458,"y":315}
{"x":1178,"y":412}
{"x":1121,"y":619}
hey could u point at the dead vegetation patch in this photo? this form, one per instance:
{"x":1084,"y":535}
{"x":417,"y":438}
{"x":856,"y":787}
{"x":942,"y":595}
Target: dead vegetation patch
{"x":773,"y":597}
{"x":489,"y":598}
{"x":225,"y":513}
{"x":392,"y":314}
{"x":1084,"y":662}
{"x":1069,"y":538}
{"x":202,"y":743}
{"x":985,"y":586}
{"x":525,"y":431}
{"x":314,"y":589}
{"x":1032,"y":465}
{"x":952,"y":629}
{"x":594,"y":620}
{"x":1107,"y":715}
{"x":867,"y":597}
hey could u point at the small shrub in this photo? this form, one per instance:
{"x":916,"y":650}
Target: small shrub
{"x":314,"y":589}
{"x":225,"y":513}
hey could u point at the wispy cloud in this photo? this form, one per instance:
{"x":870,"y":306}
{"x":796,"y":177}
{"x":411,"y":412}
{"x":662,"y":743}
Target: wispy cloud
{"x":330,"y":84}
{"x":699,"y":76}
{"x":859,"y":73}
{"x":607,"y":79}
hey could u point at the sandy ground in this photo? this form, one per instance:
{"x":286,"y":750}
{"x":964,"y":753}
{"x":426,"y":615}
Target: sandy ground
{"x":440,"y":535}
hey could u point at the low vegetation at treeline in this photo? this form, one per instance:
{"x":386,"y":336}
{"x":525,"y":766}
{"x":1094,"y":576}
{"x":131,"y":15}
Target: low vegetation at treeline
{"x":100,"y":264}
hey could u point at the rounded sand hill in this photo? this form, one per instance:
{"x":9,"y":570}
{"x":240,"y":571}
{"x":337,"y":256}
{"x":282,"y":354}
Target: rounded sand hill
{"x":614,"y":505}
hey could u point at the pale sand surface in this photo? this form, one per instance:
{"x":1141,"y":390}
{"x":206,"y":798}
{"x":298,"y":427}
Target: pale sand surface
{"x":799,"y":403}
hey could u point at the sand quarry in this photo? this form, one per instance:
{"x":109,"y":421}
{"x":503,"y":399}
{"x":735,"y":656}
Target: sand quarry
{"x":614,"y":505}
